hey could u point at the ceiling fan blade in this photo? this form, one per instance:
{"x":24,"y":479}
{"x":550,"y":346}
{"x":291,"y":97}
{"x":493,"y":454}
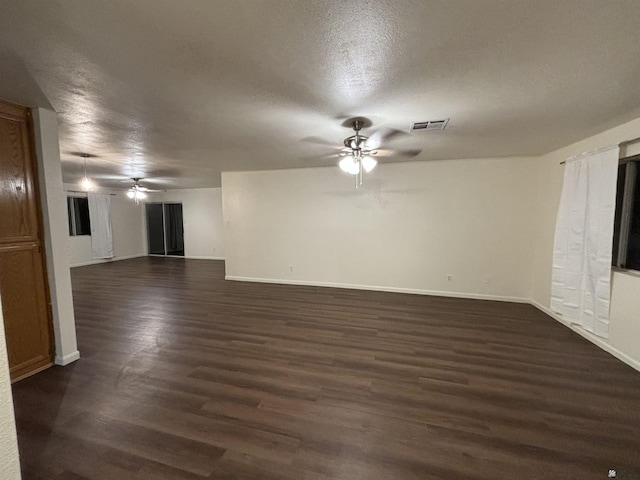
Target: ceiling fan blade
{"x":383,"y":136}
{"x":319,"y":141}
{"x":388,"y":152}
{"x":383,"y":152}
{"x":318,"y":156}
{"x":409,"y":153}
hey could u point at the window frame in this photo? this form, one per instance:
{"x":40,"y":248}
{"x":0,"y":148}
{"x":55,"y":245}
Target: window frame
{"x":72,"y":215}
{"x":632,"y":171}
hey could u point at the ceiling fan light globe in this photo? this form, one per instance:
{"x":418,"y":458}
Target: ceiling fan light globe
{"x":344,"y":164}
{"x":349,"y":165}
{"x":131,"y":194}
{"x":141,"y":195}
{"x":368,"y":164}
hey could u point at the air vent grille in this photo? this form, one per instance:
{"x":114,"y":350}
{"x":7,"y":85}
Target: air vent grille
{"x":429,"y":125}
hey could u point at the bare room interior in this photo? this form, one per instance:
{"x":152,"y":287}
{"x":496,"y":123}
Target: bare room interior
{"x":319,"y":240}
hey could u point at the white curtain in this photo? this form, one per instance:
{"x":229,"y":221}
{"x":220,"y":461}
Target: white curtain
{"x":100,"y":218}
{"x":581,"y":278}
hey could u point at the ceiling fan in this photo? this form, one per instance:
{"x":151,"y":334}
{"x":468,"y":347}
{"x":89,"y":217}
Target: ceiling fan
{"x":138,"y":192}
{"x":359,"y":150}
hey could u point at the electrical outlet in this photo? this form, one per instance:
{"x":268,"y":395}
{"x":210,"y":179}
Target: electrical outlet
{"x":449,"y":278}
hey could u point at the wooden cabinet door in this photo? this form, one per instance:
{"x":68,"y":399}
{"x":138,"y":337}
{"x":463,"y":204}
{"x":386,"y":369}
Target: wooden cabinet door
{"x":23,"y":287}
{"x":24,"y":306}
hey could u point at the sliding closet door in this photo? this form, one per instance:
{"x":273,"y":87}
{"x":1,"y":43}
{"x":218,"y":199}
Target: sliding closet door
{"x":174,"y":233}
{"x":155,"y":228}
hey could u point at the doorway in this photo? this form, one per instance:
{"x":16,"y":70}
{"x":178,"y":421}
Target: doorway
{"x":165,"y":232}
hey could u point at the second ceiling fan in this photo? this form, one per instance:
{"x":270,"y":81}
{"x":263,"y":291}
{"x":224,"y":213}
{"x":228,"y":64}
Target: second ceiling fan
{"x":138,"y":192}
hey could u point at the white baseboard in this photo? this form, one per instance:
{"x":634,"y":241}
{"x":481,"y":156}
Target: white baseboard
{"x":202,"y":257}
{"x":190,"y":257}
{"x":413,"y":291}
{"x":67,"y":359}
{"x":598,"y":341}
{"x":106,"y":260}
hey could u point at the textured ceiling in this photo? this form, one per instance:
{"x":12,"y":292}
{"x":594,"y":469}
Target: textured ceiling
{"x":178,"y":91}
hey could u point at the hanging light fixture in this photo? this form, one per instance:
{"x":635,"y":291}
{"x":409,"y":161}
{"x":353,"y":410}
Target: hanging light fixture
{"x":86,"y":184}
{"x":357,"y":158}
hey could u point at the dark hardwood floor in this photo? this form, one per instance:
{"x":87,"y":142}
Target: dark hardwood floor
{"x":186,"y":376}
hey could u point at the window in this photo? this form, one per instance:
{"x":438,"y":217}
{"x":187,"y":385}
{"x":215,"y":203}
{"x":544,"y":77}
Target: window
{"x":626,"y":234}
{"x":78,"y":210}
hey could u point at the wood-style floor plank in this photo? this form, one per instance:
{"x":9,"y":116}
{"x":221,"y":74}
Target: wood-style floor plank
{"x":186,"y":376}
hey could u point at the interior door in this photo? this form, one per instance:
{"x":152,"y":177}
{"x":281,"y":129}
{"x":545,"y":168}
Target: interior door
{"x":23,"y":287}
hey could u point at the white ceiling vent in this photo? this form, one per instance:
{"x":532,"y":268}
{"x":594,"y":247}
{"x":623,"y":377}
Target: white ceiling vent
{"x":429,"y":125}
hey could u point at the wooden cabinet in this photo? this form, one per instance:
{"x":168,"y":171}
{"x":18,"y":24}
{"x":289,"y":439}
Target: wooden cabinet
{"x":23,"y":286}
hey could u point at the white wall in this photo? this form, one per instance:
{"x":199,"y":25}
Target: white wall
{"x":203,"y":226}
{"x":56,"y":234}
{"x":9,"y":461}
{"x":624,"y":326}
{"x":409,"y":227}
{"x":127,"y":223}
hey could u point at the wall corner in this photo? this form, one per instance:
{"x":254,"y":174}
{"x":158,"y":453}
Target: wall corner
{"x":55,"y":225}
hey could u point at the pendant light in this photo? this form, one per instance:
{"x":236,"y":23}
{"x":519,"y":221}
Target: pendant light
{"x":86,"y":184}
